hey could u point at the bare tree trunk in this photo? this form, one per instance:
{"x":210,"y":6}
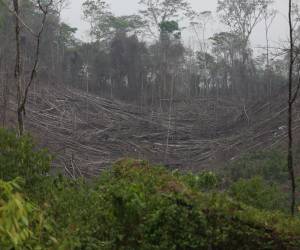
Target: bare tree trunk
{"x":269,"y":86}
{"x":171,"y":97}
{"x":269,"y":16}
{"x":5,"y":99}
{"x":4,"y":90}
{"x":87,"y":93}
{"x":290,"y":114}
{"x":18,"y":65}
{"x":22,"y":95}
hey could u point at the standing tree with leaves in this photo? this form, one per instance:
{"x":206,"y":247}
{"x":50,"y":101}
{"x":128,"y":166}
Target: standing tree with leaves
{"x":242,"y":16}
{"x":104,"y":25}
{"x":161,"y":19}
{"x":157,"y":12}
{"x":199,"y":27}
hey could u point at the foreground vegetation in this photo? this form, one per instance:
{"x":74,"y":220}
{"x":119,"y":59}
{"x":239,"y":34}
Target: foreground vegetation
{"x":138,"y":206}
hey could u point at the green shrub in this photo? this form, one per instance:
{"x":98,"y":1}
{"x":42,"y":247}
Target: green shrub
{"x":19,"y":158}
{"x":204,"y":181}
{"x":22,"y":225}
{"x":258,"y":193}
{"x":270,"y":164}
{"x":138,"y":206}
{"x":79,"y":211}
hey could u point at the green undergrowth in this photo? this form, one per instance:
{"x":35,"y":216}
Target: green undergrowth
{"x":135,"y":205}
{"x":138,"y":206}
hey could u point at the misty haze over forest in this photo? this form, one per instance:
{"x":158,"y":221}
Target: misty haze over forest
{"x":72,"y":14}
{"x":149,"y":124}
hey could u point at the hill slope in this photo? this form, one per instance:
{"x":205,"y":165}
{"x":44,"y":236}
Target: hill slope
{"x":87,"y":132}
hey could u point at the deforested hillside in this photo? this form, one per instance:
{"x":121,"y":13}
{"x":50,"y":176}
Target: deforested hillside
{"x":87,"y":133}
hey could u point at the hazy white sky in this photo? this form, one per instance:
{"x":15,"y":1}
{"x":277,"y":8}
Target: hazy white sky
{"x":73,"y":16}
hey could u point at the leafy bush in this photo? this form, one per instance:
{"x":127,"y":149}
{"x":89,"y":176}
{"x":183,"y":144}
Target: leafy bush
{"x":22,"y":225}
{"x":138,"y":206}
{"x":78,"y":210}
{"x":269,"y":164}
{"x":204,"y":181}
{"x":18,"y":158}
{"x":258,"y":193}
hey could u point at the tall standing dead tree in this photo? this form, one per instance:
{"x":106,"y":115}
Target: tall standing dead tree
{"x":18,"y":61}
{"x":269,"y":15}
{"x":23,"y":88}
{"x":292,"y":96}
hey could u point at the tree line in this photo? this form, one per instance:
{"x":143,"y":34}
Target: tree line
{"x":142,"y":58}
